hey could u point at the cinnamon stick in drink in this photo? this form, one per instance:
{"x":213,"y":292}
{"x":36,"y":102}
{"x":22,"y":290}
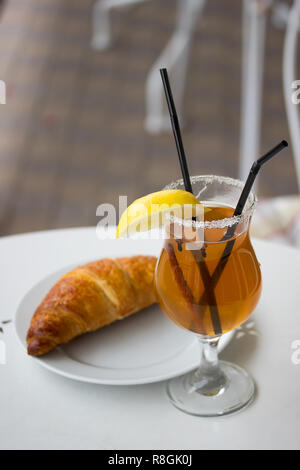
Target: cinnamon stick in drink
{"x":198,"y":312}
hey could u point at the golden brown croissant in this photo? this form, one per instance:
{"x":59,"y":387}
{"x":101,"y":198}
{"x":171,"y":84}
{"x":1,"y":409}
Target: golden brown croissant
{"x":90,"y":297}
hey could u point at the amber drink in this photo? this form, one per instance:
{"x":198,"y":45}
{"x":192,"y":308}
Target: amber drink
{"x":193,"y":300}
{"x":208,"y":282}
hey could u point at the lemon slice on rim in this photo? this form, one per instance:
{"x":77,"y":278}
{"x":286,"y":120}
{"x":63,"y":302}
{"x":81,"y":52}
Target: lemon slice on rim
{"x":148,"y":212}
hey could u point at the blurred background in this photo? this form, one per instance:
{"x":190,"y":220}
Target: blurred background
{"x":72,"y":133}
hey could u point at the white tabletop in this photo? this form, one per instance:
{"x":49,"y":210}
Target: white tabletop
{"x":39,"y":410}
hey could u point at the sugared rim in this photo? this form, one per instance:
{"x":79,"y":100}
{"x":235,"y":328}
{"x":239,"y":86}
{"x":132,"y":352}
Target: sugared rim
{"x":221,"y":223}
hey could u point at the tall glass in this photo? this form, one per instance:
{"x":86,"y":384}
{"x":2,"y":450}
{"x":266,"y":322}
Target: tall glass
{"x":208,"y":281}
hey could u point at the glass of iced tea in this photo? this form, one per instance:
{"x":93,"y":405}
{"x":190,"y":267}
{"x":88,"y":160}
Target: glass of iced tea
{"x":208,"y":281}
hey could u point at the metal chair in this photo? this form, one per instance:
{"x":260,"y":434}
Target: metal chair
{"x":175,"y":56}
{"x":253,"y":53}
{"x":101,"y":36}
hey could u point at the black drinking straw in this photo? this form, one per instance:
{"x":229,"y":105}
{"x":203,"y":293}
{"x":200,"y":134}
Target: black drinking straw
{"x":253,"y":174}
{"x":209,"y":293}
{"x":240,"y":207}
{"x":176,"y":131}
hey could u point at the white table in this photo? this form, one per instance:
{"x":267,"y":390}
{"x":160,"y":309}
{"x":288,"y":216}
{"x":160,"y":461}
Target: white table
{"x":41,"y":410}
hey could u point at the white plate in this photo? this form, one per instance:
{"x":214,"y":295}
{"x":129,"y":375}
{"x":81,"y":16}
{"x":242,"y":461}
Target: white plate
{"x":141,"y":349}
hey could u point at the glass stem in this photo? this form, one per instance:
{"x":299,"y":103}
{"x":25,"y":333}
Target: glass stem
{"x":209,"y":379}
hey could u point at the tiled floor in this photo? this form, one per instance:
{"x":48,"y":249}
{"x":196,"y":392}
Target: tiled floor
{"x":72,"y":135}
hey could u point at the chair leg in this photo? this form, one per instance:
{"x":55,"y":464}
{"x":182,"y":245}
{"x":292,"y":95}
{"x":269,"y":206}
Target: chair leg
{"x":289,"y":70}
{"x":175,"y":57}
{"x":254,"y":23}
{"x":101,"y":36}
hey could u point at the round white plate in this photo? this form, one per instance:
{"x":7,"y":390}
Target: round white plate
{"x":143,"y":348}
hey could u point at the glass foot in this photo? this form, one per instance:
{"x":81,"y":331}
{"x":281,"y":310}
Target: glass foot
{"x":189,"y":394}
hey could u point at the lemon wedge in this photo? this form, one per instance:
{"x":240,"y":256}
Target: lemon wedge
{"x":148,"y":212}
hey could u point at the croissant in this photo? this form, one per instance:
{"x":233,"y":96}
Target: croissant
{"x":90,"y":297}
